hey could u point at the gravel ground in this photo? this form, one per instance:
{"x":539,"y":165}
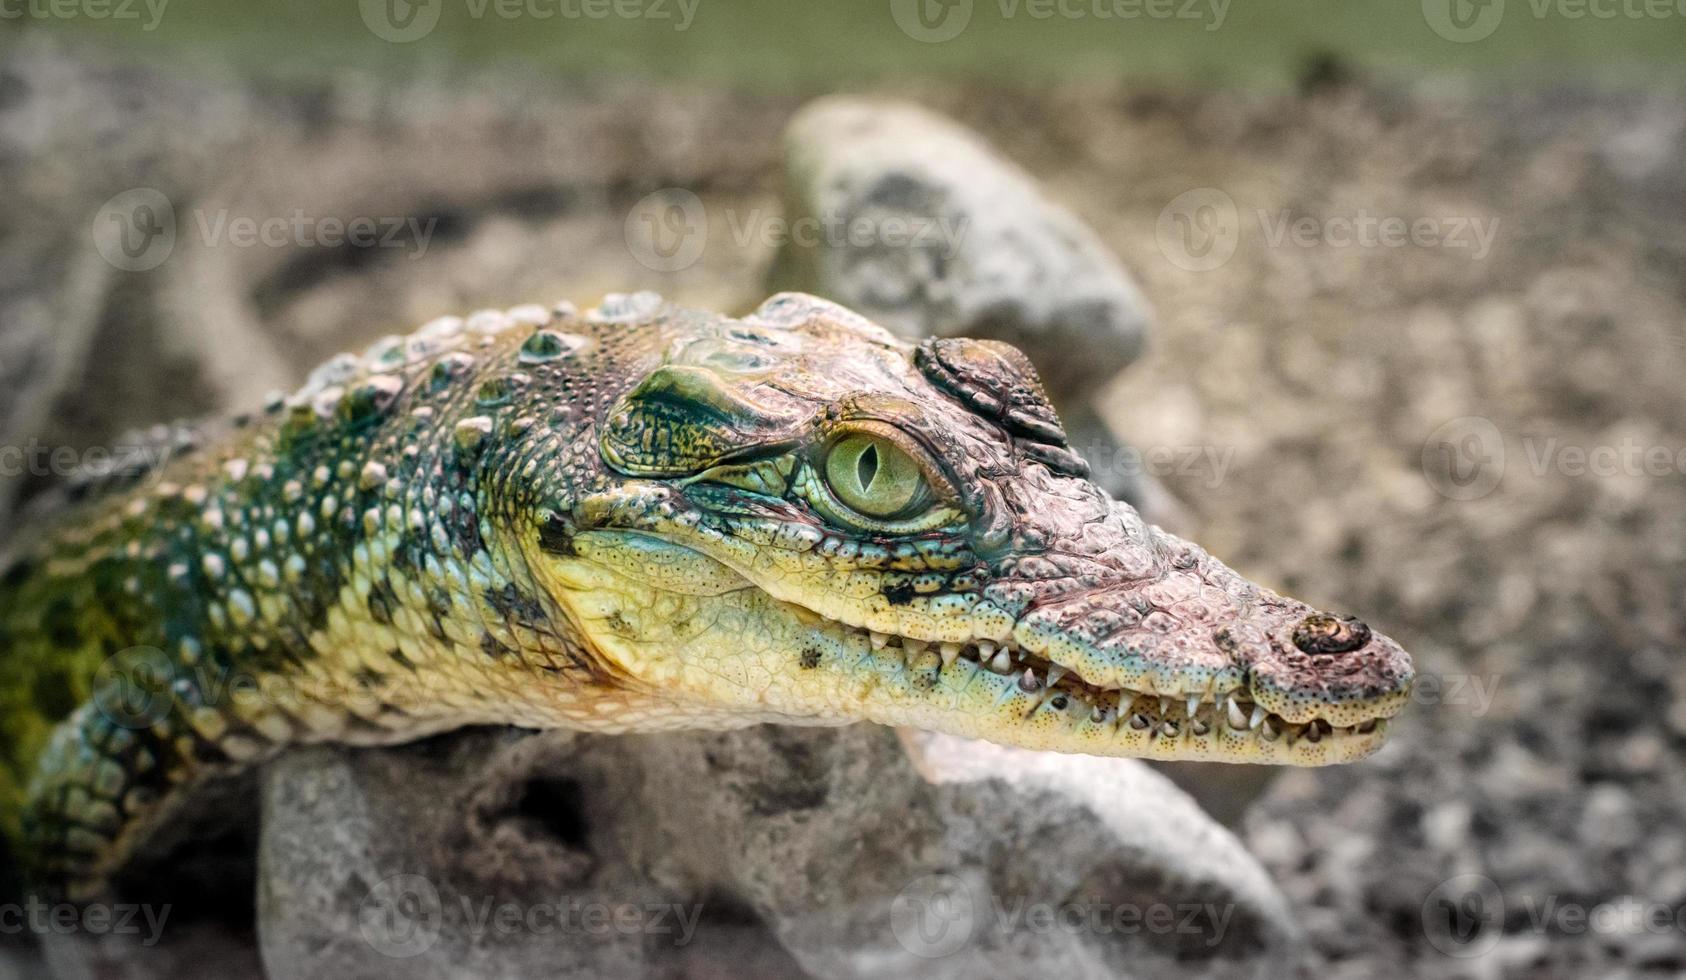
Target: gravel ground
{"x":1542,"y":592}
{"x":1332,"y":415}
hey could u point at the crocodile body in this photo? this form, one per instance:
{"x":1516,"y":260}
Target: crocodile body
{"x":637,"y":518}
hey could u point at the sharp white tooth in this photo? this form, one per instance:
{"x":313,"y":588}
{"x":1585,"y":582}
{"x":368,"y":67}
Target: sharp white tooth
{"x":914,"y":646}
{"x":1193,"y":704}
{"x":1028,"y":682}
{"x":1055,"y":672}
{"x":1168,"y":729}
{"x":1002,"y":662}
{"x":1259,"y":715}
{"x":1237,"y":717}
{"x":950,"y":651}
{"x":986,"y":650}
{"x":1098,"y":714}
{"x":1138,"y":721}
{"x":1164,"y":707}
{"x":1199,"y":727}
{"x":878,"y":640}
{"x":1268,"y":732}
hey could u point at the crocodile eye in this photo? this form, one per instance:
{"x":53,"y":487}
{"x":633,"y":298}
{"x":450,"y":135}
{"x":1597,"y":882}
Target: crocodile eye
{"x":873,"y":476}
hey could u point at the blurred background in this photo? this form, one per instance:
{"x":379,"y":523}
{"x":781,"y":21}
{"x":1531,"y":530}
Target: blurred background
{"x":1415,"y":274}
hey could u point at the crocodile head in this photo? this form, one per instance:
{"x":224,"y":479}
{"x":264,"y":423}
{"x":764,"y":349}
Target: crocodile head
{"x":800,"y":517}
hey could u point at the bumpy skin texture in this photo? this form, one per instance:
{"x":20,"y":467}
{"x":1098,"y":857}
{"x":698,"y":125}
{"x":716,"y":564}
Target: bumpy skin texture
{"x":632,"y":520}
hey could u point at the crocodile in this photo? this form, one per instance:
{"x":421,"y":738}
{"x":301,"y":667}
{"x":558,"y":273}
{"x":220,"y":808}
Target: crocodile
{"x":637,"y":517}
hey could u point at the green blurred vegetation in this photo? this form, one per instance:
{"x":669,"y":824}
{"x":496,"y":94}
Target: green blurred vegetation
{"x":774,"y":43}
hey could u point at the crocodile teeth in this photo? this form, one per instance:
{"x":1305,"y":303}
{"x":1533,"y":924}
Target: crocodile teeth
{"x":879,"y":640}
{"x":1055,"y":672}
{"x":986,"y":650}
{"x":1259,"y":715}
{"x":914,"y":646}
{"x":1199,"y":727}
{"x":1237,"y":717}
{"x":1098,"y":714}
{"x":1168,"y":729}
{"x":1028,"y":682}
{"x":950,"y":651}
{"x":1193,"y":704}
{"x":1268,"y":732}
{"x":1138,"y":721}
{"x":1164,"y":707}
{"x":1002,"y":662}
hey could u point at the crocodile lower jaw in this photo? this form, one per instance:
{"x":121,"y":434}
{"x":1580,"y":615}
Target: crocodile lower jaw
{"x":1157,"y":724}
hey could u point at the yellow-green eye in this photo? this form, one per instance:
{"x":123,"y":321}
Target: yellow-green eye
{"x":871,"y":475}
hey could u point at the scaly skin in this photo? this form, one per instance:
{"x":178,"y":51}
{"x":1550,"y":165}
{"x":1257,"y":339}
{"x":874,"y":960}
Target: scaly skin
{"x":633,"y":520}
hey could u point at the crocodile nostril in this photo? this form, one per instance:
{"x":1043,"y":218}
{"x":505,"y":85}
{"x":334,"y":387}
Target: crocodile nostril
{"x":1324,"y":635}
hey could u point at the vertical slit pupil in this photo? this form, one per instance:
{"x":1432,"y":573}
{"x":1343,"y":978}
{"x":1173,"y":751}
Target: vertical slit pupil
{"x":866,"y":467}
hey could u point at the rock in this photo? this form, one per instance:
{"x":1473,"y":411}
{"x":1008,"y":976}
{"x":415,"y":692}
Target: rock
{"x":912,"y":220}
{"x":771,"y":851}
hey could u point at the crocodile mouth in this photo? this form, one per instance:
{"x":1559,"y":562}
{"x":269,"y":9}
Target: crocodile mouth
{"x":1202,"y":722}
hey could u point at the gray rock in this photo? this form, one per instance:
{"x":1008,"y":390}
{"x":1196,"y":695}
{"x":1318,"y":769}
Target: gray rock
{"x":772,"y":852}
{"x":912,"y":220}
